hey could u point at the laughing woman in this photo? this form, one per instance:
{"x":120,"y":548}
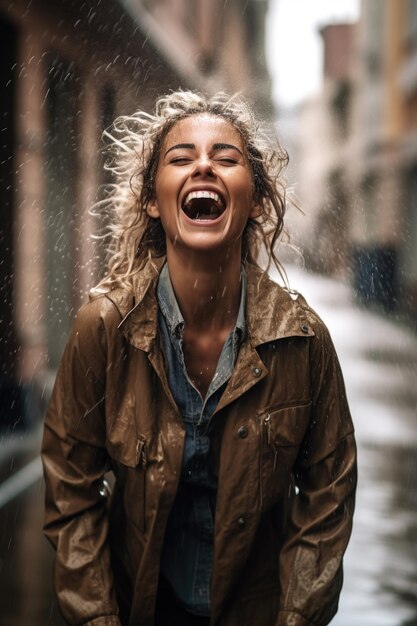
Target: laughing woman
{"x":212,"y":396}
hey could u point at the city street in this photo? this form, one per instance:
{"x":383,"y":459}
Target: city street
{"x":379,"y":361}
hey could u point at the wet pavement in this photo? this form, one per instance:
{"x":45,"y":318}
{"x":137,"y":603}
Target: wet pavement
{"x":26,"y":570}
{"x":379,"y":361}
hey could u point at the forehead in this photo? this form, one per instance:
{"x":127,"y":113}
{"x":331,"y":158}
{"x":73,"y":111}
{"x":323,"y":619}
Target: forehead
{"x":204,"y":129}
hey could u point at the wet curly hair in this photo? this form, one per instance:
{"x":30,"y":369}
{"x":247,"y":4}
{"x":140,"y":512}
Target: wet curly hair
{"x":133,"y":146}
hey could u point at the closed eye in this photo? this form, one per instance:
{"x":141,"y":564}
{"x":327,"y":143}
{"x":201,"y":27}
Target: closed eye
{"x":180,"y":160}
{"x":227,"y":160}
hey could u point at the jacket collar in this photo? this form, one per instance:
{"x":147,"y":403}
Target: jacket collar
{"x":271,"y":312}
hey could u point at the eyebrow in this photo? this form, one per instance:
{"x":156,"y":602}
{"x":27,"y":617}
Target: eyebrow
{"x":226,"y":146}
{"x":184,"y":146}
{"x":216,"y":146}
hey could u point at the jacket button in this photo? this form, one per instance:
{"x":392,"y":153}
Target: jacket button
{"x":241,"y":522}
{"x":242,"y":432}
{"x":304,"y":328}
{"x":256,"y":372}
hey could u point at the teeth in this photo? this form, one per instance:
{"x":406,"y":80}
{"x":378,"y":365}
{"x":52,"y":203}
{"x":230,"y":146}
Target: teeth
{"x":202,"y":194}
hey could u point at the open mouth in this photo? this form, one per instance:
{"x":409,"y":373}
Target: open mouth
{"x":203,"y":205}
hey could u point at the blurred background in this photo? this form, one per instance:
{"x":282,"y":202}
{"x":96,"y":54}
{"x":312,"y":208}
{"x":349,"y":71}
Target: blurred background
{"x":338,"y":80}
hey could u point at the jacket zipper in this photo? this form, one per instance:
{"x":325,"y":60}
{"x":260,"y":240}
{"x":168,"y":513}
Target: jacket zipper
{"x":265,"y":432}
{"x":142,"y":461}
{"x":142,"y":455}
{"x":267,"y":423}
{"x":265,"y":427}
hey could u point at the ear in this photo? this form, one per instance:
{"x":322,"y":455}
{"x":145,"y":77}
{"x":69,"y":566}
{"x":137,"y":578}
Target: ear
{"x":152,"y":209}
{"x":256,"y":210}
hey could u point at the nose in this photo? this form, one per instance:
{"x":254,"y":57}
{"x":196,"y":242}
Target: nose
{"x":203,"y":168}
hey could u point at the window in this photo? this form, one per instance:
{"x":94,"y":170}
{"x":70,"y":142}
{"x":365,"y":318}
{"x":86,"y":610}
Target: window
{"x":375,"y":34}
{"x":409,"y":260}
{"x":411,"y":21}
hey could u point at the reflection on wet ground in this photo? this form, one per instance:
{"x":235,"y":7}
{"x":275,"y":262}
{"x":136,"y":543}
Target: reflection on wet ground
{"x":379,"y":360}
{"x":25,"y":557}
{"x":380,"y":570}
{"x":26,"y":563}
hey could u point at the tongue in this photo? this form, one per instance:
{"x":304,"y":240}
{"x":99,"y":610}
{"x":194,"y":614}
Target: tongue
{"x":204,"y":216}
{"x":202,"y":209}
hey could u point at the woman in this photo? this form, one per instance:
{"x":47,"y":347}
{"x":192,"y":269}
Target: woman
{"x":213,"y":396}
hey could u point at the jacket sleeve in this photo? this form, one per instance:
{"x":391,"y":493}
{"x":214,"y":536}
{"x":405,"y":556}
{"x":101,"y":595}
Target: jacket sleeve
{"x":320,"y":517}
{"x":75,"y":461}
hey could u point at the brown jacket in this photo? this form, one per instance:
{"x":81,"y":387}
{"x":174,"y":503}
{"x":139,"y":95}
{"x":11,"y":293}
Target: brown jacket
{"x":283,"y":441}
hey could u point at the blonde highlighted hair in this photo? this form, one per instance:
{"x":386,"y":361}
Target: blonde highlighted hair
{"x":133,"y":147}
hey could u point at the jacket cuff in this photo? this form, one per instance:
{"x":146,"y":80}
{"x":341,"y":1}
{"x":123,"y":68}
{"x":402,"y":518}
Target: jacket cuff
{"x":289,"y":618}
{"x":106,"y":620}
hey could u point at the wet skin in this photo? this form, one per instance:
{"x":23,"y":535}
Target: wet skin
{"x":204,"y":153}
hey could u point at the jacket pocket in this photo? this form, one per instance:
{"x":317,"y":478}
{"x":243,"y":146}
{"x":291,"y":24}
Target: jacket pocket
{"x":129,"y":457}
{"x":281,"y":433}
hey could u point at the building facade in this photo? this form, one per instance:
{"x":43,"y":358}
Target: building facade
{"x":324,"y":151}
{"x":358,"y":157}
{"x":383,"y":222}
{"x":68,"y":69}
{"x":219,"y":45}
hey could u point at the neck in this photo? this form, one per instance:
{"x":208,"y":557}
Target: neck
{"x":207,"y":288}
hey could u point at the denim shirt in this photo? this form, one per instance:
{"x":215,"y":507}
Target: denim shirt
{"x":187,"y":555}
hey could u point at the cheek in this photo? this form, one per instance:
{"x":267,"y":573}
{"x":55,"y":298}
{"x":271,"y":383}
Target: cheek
{"x":241,"y":185}
{"x":167,"y":188}
{"x":159,"y":187}
{"x":246,"y":191}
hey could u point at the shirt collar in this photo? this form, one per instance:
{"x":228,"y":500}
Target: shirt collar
{"x":173,"y":316}
{"x":271,"y":312}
